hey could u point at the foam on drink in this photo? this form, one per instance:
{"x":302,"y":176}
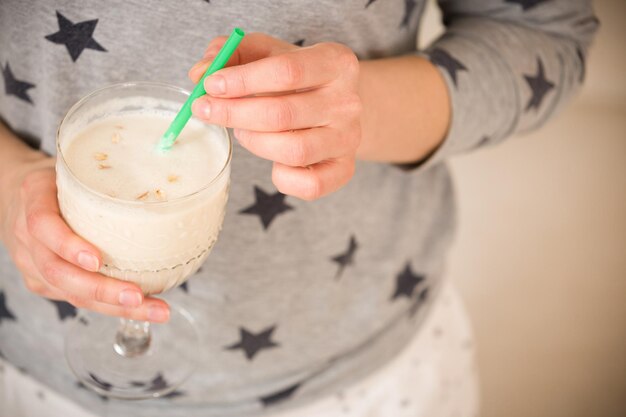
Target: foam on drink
{"x":118,"y":156}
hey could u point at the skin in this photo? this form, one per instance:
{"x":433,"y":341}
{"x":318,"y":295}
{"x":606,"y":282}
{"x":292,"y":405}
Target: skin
{"x":313,"y":111}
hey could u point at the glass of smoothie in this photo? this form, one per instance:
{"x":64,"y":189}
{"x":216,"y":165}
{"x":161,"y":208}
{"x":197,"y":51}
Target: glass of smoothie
{"x":155,"y":216}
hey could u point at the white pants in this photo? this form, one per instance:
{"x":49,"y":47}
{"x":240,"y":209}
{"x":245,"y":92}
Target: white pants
{"x":434,"y":376}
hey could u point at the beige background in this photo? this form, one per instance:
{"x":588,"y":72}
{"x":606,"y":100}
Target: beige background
{"x":541,"y":253}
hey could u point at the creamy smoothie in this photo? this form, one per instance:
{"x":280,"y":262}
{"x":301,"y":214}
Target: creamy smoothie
{"x":155,"y":215}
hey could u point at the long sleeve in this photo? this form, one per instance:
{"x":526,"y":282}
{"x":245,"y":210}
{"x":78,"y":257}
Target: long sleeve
{"x":509,"y":65}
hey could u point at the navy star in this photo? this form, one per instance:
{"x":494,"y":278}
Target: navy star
{"x":5,"y":313}
{"x":267,"y":206}
{"x":526,"y":4}
{"x":483,"y":141}
{"x":184,"y":287}
{"x":448,"y":62}
{"x":406,"y":281}
{"x":539,"y":85}
{"x":64,"y":309}
{"x":158,"y":383}
{"x":418,"y":301}
{"x":253,"y":343}
{"x":589,"y":20}
{"x":174,"y":394}
{"x":346,"y":258}
{"x":409,"y":7}
{"x":299,"y":42}
{"x":15,"y":87}
{"x":369,"y":3}
{"x":410,"y":166}
{"x":101,"y":383}
{"x":75,"y":36}
{"x":279,"y":396}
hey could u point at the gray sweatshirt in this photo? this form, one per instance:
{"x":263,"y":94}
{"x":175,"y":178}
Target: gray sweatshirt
{"x":298,"y":298}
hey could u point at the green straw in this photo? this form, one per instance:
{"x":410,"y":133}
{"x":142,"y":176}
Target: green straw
{"x":184,"y":114}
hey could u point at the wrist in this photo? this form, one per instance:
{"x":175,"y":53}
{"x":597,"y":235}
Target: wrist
{"x":13,"y":172}
{"x":406,"y":109}
{"x":19,"y":160}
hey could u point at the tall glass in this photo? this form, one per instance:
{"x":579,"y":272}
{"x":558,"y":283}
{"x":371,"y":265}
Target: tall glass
{"x":156,"y":244}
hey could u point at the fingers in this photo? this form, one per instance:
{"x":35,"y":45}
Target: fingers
{"x":315,"y":181}
{"x":275,"y":114}
{"x":197,"y":71}
{"x":253,"y":46}
{"x":44,"y":223}
{"x":42,"y":289}
{"x":92,"y":291}
{"x":32,"y":278}
{"x":298,"y":107}
{"x":265,"y":114}
{"x":152,"y":309}
{"x":77,"y":283}
{"x":298,"y":148}
{"x":52,"y":259}
{"x":301,"y":68}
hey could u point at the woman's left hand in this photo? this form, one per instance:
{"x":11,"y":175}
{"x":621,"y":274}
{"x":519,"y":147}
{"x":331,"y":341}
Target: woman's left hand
{"x":298,"y":107}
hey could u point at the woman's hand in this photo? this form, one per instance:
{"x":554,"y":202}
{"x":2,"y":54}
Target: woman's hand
{"x":298,"y":107}
{"x":56,"y":263}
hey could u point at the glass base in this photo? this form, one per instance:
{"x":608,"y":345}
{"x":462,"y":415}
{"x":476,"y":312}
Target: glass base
{"x":171,"y":358}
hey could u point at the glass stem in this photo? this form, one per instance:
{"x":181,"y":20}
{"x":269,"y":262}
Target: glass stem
{"x":132,"y":338}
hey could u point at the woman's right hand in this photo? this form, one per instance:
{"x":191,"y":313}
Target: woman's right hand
{"x":56,"y":263}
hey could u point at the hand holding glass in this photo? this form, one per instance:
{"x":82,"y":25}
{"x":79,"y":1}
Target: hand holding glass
{"x":155,"y":217}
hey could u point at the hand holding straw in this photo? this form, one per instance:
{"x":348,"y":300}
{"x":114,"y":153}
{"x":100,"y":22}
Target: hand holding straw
{"x":181,"y":119}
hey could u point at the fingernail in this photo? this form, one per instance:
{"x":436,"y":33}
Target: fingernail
{"x":130,"y":298}
{"x":159,"y":314}
{"x":201,"y":108}
{"x":87,"y":261}
{"x":215,"y":85}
